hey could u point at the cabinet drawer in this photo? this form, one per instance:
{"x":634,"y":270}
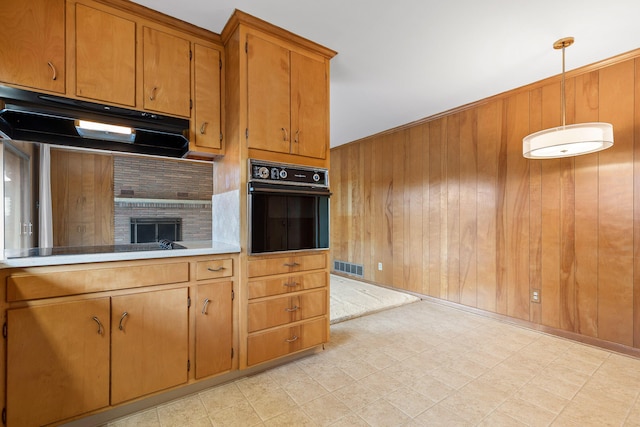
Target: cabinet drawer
{"x":286,"y":284}
{"x":288,"y":309}
{"x":282,"y":341}
{"x":214,"y":269}
{"x":22,"y":287}
{"x":289,"y":264}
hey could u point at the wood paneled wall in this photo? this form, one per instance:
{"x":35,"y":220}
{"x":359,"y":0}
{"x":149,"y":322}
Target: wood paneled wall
{"x":452,"y":209}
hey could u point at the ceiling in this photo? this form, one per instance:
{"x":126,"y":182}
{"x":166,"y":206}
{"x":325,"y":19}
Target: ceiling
{"x":403,"y":60}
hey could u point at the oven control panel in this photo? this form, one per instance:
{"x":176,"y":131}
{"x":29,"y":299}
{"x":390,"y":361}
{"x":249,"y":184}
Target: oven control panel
{"x":260,"y":171}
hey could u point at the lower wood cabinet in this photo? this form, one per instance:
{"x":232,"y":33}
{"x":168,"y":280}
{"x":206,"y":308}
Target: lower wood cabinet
{"x":149,"y":342}
{"x":82,"y":340}
{"x":287,"y":305}
{"x":58,"y":359}
{"x":214,"y":337}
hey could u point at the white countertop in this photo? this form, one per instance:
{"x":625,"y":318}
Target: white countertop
{"x":193,"y":249}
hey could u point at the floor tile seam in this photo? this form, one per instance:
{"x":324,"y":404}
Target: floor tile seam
{"x":412,"y":417}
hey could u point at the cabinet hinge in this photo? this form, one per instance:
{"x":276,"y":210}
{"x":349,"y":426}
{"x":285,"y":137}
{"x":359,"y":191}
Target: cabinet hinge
{"x":190,"y":55}
{"x":246,"y":47}
{"x":191,"y":104}
{"x":4,"y":416}
{"x":188,"y":365}
{"x":233,"y":294}
{"x":188,"y":302}
{"x":5,"y":330}
{"x":232,"y":352}
{"x":220,"y":62}
{"x":220,"y":136}
{"x":246,"y":133}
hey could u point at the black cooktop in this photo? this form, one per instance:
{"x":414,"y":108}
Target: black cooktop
{"x":101,"y":249}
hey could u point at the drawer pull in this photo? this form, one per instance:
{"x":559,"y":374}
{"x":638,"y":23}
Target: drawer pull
{"x":215,"y":270}
{"x":204,"y":307}
{"x":100,"y":327}
{"x":121,"y":326}
{"x":54,"y":76}
{"x":292,"y":309}
{"x":203,"y":128}
{"x":152,"y":97}
{"x":290,"y":285}
{"x":292,"y":264}
{"x":295,"y":338}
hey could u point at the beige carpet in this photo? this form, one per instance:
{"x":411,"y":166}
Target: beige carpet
{"x":351,"y":298}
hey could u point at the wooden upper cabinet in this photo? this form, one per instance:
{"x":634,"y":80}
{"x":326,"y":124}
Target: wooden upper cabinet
{"x":32,"y":44}
{"x":64,"y":369}
{"x":207,"y":108}
{"x":269,"y":111}
{"x":288,"y":100}
{"x":105,"y":56}
{"x":166,"y":73}
{"x":309,"y":106}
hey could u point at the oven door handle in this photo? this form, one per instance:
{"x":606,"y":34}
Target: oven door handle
{"x":307,"y":191}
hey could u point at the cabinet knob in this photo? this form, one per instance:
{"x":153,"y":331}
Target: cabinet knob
{"x":204,"y":307}
{"x":54,"y":76}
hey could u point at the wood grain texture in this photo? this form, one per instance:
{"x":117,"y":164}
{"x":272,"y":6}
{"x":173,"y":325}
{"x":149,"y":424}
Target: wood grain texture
{"x":495,"y":226}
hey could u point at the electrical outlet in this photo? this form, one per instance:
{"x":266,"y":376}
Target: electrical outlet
{"x":380,"y":266}
{"x":535,"y":295}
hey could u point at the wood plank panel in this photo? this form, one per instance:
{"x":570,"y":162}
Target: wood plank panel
{"x":535,"y":209}
{"x":468,"y":206}
{"x":413,"y":210}
{"x":586,"y":214}
{"x":501,"y":214}
{"x":550,"y":213}
{"x":377,"y":207}
{"x":387,"y":188}
{"x":398,"y":208}
{"x":452,"y":230}
{"x":517,"y":208}
{"x":367,"y":208}
{"x":615,"y":209}
{"x":426,"y":241}
{"x":489,"y":127}
{"x":636,"y":209}
{"x":437,"y":205}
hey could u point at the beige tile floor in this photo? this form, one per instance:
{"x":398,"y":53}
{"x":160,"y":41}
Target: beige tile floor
{"x":424,"y":364}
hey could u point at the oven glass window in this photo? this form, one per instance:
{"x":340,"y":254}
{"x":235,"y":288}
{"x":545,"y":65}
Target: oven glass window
{"x":288,"y":222}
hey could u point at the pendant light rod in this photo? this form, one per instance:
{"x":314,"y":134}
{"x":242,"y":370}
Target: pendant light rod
{"x":562,"y":44}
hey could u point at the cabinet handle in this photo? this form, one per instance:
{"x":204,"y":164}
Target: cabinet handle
{"x":152,"y":97}
{"x":100,"y":327}
{"x":297,"y":136}
{"x":285,"y":134}
{"x":204,"y":307}
{"x":215,"y":270}
{"x":291,"y":264}
{"x":295,"y":338}
{"x":203,"y":128}
{"x":53,"y":69}
{"x":292,"y":309}
{"x":120,"y":326}
{"x":290,"y":285}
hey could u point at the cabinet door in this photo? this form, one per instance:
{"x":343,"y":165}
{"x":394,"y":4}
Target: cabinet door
{"x":105,"y":56}
{"x":166,"y":73}
{"x":32,"y":43}
{"x":149,"y":343}
{"x":268,"y":92}
{"x":207,"y":97}
{"x":57,"y":361}
{"x":214,"y":327}
{"x":309,"y":107}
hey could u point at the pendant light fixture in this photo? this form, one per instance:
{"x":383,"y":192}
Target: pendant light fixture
{"x":567,"y":140}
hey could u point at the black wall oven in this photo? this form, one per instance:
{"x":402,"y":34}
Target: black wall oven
{"x":288,"y":207}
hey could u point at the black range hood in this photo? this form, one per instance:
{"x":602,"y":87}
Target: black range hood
{"x":32,"y":116}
